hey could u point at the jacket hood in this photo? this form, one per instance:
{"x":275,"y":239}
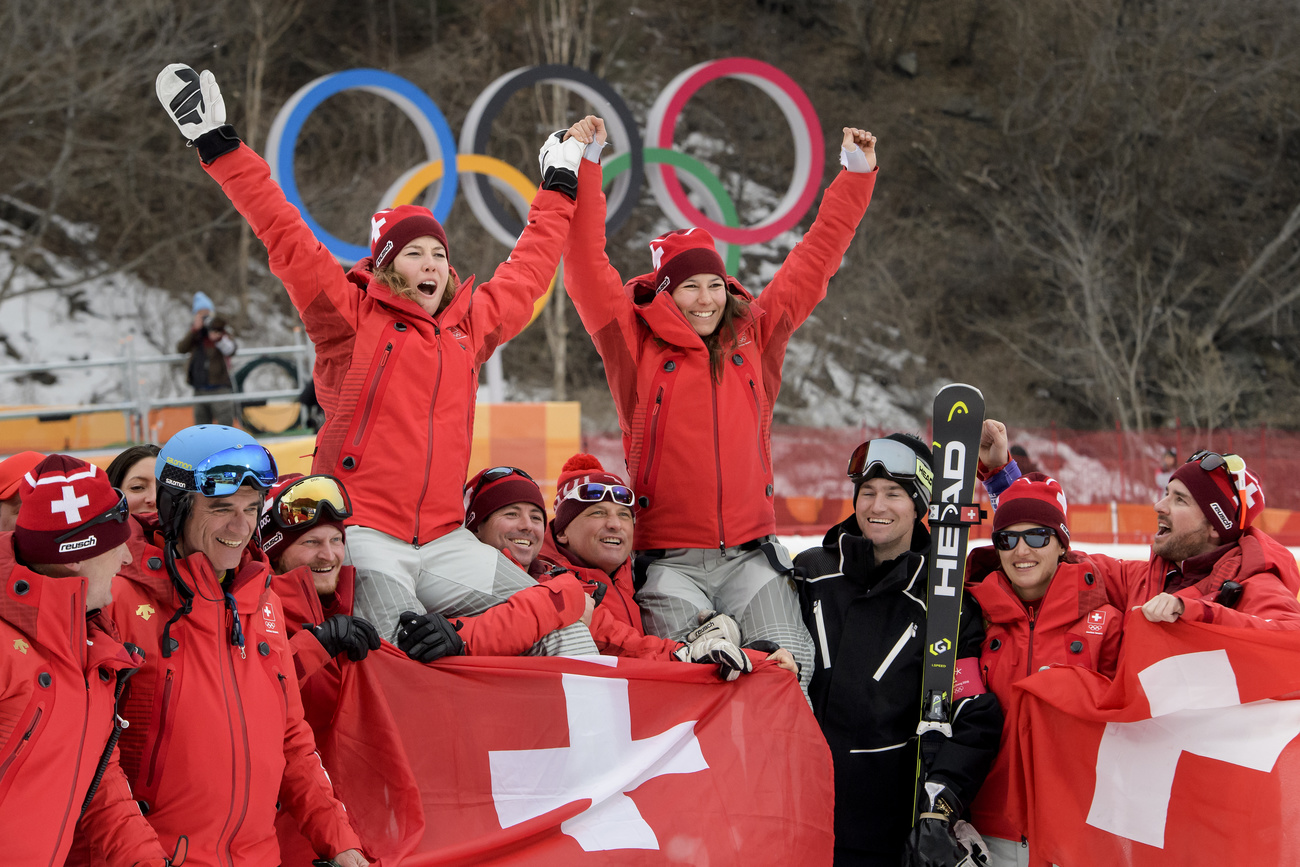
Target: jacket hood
{"x":660,"y":312}
{"x":362,"y":276}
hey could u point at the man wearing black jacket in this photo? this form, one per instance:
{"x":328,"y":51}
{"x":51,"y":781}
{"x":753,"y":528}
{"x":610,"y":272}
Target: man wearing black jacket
{"x":863,"y":594}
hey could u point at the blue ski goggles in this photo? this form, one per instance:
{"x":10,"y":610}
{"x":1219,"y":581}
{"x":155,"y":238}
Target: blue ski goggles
{"x":897,"y":461}
{"x":223,"y":473}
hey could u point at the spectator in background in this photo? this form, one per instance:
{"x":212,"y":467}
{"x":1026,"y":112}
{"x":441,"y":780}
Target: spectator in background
{"x":12,"y":470}
{"x":131,"y":472}
{"x":1168,"y":463}
{"x":1022,"y":459}
{"x":210,"y":347}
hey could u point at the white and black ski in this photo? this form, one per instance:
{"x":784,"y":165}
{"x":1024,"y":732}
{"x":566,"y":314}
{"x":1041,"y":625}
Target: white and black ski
{"x":958,"y":420}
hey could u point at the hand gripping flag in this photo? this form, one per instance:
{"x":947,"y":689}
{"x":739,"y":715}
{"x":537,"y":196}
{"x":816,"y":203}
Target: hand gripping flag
{"x":1190,"y":757}
{"x":599,"y":760}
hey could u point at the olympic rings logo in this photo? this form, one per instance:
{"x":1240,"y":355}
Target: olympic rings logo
{"x":625,"y":170}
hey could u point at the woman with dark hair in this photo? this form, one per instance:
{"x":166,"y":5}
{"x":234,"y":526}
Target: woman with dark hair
{"x":694,"y":365}
{"x":132,"y":473}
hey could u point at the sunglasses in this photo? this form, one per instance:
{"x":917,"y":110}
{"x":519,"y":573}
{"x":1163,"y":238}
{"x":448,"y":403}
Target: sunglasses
{"x":594,"y":492}
{"x":1035,"y":537}
{"x":304,"y":502}
{"x":1230,"y":464}
{"x":494,"y":474}
{"x":118,"y":513}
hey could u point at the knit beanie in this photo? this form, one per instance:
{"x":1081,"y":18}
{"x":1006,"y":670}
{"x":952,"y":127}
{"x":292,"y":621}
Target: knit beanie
{"x":1034,"y":499}
{"x":12,"y":470}
{"x":69,"y":513}
{"x":201,"y":302}
{"x":482,"y":501}
{"x":684,"y":253}
{"x":393,"y":228}
{"x":916,"y":488}
{"x":1231,"y":503}
{"x":581,"y":469}
{"x":276,"y":539}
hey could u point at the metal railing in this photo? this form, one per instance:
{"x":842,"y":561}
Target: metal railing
{"x":140,"y":402}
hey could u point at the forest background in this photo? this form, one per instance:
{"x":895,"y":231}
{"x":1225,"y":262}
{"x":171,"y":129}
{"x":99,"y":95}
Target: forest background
{"x":1088,"y":208}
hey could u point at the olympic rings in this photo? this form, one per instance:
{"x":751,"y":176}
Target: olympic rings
{"x":507,"y":178}
{"x":798,"y":110}
{"x":626,"y":169}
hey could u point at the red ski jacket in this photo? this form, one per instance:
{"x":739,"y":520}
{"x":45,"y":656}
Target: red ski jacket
{"x":217,"y":734}
{"x":1263,"y":566}
{"x":398,"y":386}
{"x":699,"y":452}
{"x":59,"y":672}
{"x":1074,"y":625}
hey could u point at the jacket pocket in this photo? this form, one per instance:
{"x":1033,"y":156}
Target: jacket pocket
{"x":823,"y":645}
{"x":19,"y":747}
{"x":908,"y":634}
{"x":160,"y":728}
{"x":758,"y":427}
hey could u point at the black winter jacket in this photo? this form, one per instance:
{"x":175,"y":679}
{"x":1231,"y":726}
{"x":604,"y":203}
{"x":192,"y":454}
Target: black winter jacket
{"x":868,"y":626}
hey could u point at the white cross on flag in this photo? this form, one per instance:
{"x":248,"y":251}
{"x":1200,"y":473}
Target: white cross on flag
{"x":1191,"y":756}
{"x":599,"y":761}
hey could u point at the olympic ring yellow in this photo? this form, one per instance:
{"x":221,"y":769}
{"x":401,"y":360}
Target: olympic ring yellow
{"x":415,"y":180}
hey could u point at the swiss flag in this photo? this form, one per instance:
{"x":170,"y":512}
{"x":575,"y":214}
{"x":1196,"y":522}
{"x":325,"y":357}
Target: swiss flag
{"x":599,"y":760}
{"x":1189,"y":757}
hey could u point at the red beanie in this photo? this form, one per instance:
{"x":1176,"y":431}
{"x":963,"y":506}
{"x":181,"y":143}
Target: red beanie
{"x":1230,"y":502}
{"x":393,"y":228}
{"x":481,"y":502}
{"x":276,"y":539}
{"x":1033,"y":499}
{"x":684,"y":253}
{"x":581,"y":469}
{"x":60,"y":495}
{"x":12,"y":470}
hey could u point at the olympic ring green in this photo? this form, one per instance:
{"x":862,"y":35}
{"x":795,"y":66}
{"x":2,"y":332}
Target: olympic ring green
{"x":692,"y":166}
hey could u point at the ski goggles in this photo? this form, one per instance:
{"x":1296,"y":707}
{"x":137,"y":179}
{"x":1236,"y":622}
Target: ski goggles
{"x":222,"y":473}
{"x":494,"y":474}
{"x":1035,"y":537}
{"x":307,"y":500}
{"x":117,"y":513}
{"x":897,"y":460}
{"x":1211,"y":461}
{"x":594,"y":492}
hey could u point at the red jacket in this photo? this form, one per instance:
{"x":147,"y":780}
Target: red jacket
{"x":616,"y":621}
{"x":699,"y":452}
{"x":398,"y":386}
{"x":1074,"y":625}
{"x":318,"y":672}
{"x":59,"y":672}
{"x":1263,"y":566}
{"x":218,"y":735}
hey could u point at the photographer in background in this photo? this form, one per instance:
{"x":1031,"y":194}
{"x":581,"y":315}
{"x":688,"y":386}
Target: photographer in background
{"x":210,"y":348}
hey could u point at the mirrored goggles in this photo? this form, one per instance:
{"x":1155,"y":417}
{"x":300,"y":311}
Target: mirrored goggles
{"x":221,"y":474}
{"x":118,"y":513}
{"x":1035,"y":537}
{"x":594,"y":492}
{"x":305,"y":501}
{"x":896,"y":459}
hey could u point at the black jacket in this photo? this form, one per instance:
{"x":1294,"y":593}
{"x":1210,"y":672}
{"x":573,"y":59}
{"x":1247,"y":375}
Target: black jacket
{"x":868,"y":627}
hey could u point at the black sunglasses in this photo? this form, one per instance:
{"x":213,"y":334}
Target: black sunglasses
{"x":493,"y":475}
{"x":1035,"y":537}
{"x":118,"y":513}
{"x":1211,"y":461}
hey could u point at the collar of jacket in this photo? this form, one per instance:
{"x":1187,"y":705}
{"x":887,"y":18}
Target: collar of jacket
{"x":857,"y":556}
{"x":661,"y":315}
{"x":252,"y":575}
{"x":555,"y":554}
{"x":318,"y":608}
{"x":1068,"y":598}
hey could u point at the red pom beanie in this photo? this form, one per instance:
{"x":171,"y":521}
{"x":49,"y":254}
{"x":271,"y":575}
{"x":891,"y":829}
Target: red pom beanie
{"x":681,"y":254}
{"x":1230,"y":501}
{"x":276,"y":539}
{"x":393,"y":228}
{"x":481,"y":502}
{"x":578,"y":470}
{"x":1033,"y":499}
{"x":60,"y":495}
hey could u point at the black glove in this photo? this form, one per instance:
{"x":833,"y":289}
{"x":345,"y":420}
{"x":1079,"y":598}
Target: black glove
{"x":932,"y":842}
{"x":343,"y":633}
{"x":426,"y":637}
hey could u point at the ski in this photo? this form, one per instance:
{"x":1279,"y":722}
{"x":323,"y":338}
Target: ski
{"x":958,"y":421}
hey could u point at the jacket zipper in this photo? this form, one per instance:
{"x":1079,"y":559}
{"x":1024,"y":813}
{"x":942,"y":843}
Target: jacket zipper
{"x":654,"y":432}
{"x":717,"y":467}
{"x":821,"y":634}
{"x":907,"y":635}
{"x":81,"y":748}
{"x":758,"y":431}
{"x":370,"y":396}
{"x":162,"y":726}
{"x":229,"y":658}
{"x":428,"y":450}
{"x":22,"y":743}
{"x":1033,"y":620}
{"x":119,"y":725}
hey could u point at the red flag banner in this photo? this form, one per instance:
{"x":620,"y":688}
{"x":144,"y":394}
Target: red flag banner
{"x":591,"y":761}
{"x":1189,"y":757}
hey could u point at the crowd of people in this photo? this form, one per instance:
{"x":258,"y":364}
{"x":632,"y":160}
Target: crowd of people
{"x":206,"y":605}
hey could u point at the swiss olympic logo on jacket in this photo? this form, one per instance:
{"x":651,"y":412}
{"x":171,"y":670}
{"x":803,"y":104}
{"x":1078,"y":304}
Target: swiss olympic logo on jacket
{"x":268,"y":617}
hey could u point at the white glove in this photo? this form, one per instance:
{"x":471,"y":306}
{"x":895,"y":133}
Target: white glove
{"x":716,"y":640}
{"x":560,"y":153}
{"x":192,"y":99}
